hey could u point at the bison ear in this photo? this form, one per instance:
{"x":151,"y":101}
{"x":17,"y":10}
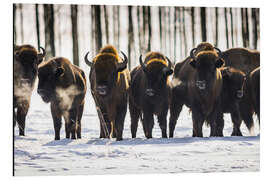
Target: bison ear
{"x":59,"y":72}
{"x":121,"y":67}
{"x":167,"y":71}
{"x":193,"y":63}
{"x":219,"y":63}
{"x":226,"y":72}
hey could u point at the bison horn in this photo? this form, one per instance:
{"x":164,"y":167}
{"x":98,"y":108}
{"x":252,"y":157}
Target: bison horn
{"x":192,"y":55}
{"x":169,"y":63}
{"x":219,"y":51}
{"x":41,"y":55}
{"x":87,"y":61}
{"x":123,"y":65}
{"x":141,"y":63}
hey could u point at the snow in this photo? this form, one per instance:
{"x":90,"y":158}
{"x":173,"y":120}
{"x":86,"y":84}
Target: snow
{"x":39,"y":154}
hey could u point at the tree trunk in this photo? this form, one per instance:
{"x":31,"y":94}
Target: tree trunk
{"x":14,"y":25}
{"x":255,"y":29}
{"x":231,"y":14}
{"x":118,"y":26}
{"x":149,"y":29}
{"x":184,"y":32}
{"x":74,"y":22}
{"x":216,"y":40}
{"x":203,"y":23}
{"x":247,"y":27}
{"x":106,"y":23}
{"x":98,"y":33}
{"x":226,"y":27}
{"x":139,"y":29}
{"x":193,"y":26}
{"x":21,"y":20}
{"x":93,"y":29}
{"x":130,"y":36}
{"x":49,"y":30}
{"x":169,"y":31}
{"x":160,"y":26}
{"x":243,"y":27}
{"x":175,"y":28}
{"x":37,"y":26}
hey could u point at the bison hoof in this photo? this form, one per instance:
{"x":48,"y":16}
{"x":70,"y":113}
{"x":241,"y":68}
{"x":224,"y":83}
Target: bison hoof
{"x":236,"y":133}
{"x":119,"y":139}
{"x":57,"y":138}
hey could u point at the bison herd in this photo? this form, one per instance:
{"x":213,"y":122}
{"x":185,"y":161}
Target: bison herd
{"x":209,"y":82}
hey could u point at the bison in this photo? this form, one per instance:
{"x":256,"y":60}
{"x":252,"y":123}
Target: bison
{"x":197,"y":83}
{"x":232,"y":93}
{"x":64,"y":86}
{"x":241,"y":58}
{"x":250,"y":102}
{"x":109,"y":80}
{"x":26,"y":61}
{"x":150,"y":93}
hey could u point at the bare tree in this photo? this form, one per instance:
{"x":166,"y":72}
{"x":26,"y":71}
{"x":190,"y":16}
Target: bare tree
{"x":160,"y":14}
{"x":74,"y":23}
{"x":216,"y":40}
{"x":247,"y":26}
{"x":139,"y":29}
{"x":193,"y":26}
{"x":106,"y":23}
{"x":37,"y":26}
{"x":130,"y":35}
{"x":14,"y":24}
{"x":226,"y":27}
{"x":98,"y":34}
{"x":255,"y":29}
{"x":149,"y":29}
{"x":231,"y":15}
{"x":175,"y":29}
{"x":21,"y":20}
{"x":49,"y":30}
{"x":203,"y":23}
{"x":184,"y":32}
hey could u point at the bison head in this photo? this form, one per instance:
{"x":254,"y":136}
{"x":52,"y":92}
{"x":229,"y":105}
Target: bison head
{"x":107,"y":69}
{"x":156,"y":73}
{"x":234,"y":80}
{"x":49,"y":75}
{"x":205,"y":63}
{"x":26,"y":61}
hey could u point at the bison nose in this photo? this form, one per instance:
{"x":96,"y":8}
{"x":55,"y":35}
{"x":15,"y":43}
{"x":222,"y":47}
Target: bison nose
{"x":149,"y":92}
{"x":102,"y":90}
{"x":239,"y":94}
{"x":201,"y":84}
{"x":41,"y":92}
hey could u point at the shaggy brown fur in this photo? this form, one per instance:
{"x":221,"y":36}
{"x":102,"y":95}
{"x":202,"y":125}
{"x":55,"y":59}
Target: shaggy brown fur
{"x":197,"y":83}
{"x":26,"y":60}
{"x":64,"y":86}
{"x":150,"y":93}
{"x":109,"y":79}
{"x":232,"y":93}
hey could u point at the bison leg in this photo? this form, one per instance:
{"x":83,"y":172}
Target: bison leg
{"x":197,"y":120}
{"x":119,"y":121}
{"x":175,"y":109}
{"x":246,"y":114}
{"x":72,"y":122}
{"x":148,"y":124}
{"x":78,"y":127}
{"x":21,"y":115}
{"x":236,"y":119}
{"x":216,"y":122}
{"x":134,"y":115}
{"x":162,"y":120}
{"x":56,"y":115}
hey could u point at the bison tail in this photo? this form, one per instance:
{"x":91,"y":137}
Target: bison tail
{"x":250,"y":125}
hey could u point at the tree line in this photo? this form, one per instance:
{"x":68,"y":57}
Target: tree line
{"x":136,"y":29}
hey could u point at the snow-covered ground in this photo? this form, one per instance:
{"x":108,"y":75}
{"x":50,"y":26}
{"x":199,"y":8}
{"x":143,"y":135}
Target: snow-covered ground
{"x":38,"y":154}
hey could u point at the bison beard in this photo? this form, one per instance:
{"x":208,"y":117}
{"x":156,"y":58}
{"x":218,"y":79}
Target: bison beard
{"x":64,"y":86}
{"x":150,"y":93}
{"x":197,"y":84}
{"x":26,"y":60}
{"x":109,"y":81}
